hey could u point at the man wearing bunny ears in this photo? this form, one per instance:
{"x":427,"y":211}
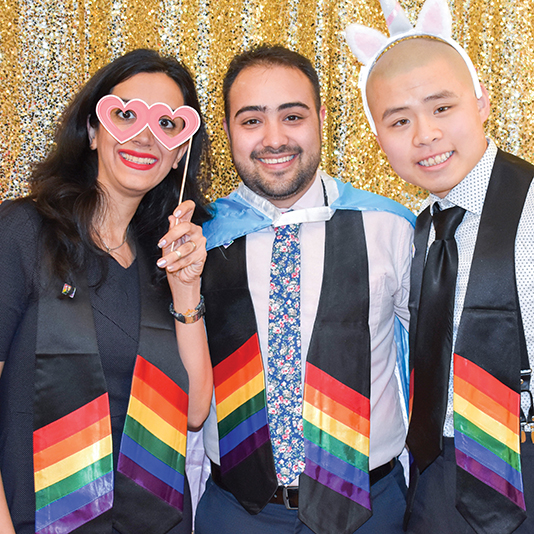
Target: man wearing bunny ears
{"x":472,"y":283}
{"x":312,"y":448}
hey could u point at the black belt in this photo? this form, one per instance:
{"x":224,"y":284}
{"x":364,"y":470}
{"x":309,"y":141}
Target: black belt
{"x":378,"y":473}
{"x":289,"y":495}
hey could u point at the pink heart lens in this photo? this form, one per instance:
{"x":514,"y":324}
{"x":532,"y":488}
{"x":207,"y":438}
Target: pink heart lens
{"x":125,"y":120}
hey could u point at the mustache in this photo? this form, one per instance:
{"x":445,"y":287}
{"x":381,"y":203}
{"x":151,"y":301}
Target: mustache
{"x":268,"y":151}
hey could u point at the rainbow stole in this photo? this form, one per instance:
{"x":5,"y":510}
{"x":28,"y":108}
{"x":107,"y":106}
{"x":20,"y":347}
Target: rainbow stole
{"x":336,"y":423}
{"x":486,"y":429}
{"x":72,"y":443}
{"x":241,"y":404}
{"x":334,"y":489}
{"x":246,"y":455}
{"x":333,"y":485}
{"x":490,"y":351}
{"x":153,"y":444}
{"x":73,"y":468}
{"x":73,"y":462}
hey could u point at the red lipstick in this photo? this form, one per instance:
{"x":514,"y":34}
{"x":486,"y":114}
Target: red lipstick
{"x":143,"y":161}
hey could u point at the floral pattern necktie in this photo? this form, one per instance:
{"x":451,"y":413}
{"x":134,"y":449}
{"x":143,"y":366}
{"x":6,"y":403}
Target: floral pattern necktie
{"x":284,"y":373}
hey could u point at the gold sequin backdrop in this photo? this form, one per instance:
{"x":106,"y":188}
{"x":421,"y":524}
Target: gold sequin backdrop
{"x":49,"y":48}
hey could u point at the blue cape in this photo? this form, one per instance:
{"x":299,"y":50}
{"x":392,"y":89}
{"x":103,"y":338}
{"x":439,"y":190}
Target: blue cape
{"x":234,"y":217}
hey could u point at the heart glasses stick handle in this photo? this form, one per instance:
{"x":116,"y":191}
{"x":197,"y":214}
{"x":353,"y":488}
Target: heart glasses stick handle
{"x":184,"y":177}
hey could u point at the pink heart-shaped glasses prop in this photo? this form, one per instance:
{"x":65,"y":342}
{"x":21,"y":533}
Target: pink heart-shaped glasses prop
{"x":146,"y":115}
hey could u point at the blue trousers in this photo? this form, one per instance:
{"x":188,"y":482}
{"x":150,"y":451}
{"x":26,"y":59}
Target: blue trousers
{"x":434,"y":508}
{"x":219,"y":512}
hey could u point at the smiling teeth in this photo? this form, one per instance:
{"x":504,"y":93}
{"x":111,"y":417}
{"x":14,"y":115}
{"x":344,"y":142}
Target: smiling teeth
{"x":279,"y":160}
{"x":430,"y":162}
{"x":140,"y":161}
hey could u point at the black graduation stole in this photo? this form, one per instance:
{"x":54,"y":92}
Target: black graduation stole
{"x":334,"y":492}
{"x":489,"y":353}
{"x":76,"y":488}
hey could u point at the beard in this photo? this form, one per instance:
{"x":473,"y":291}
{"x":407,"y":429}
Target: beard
{"x":279,"y":185}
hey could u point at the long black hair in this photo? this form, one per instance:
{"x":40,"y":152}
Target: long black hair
{"x":64,"y":185}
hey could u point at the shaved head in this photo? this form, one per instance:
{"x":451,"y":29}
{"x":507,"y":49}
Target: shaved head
{"x":415,"y":53}
{"x":429,"y":120}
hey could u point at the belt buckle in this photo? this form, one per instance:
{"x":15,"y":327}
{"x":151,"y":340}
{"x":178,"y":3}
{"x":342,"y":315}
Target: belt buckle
{"x":285,"y":497}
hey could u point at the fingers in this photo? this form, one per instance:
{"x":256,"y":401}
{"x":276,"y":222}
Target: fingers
{"x":184,"y":255}
{"x":189,"y":269}
{"x":184,"y":212}
{"x":180,"y":227}
{"x":178,"y":235}
{"x":192,"y":252}
{"x":183,"y":246}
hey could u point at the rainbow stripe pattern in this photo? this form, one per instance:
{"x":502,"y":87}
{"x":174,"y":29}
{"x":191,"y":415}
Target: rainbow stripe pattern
{"x":241,"y":404}
{"x":153,"y":444}
{"x":73,"y":468}
{"x":336,"y":423}
{"x":486,"y":429}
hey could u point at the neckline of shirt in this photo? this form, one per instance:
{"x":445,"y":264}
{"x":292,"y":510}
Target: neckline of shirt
{"x":309,"y":208}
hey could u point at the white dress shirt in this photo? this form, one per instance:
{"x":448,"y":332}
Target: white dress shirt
{"x":470,"y":194}
{"x":388,"y":239}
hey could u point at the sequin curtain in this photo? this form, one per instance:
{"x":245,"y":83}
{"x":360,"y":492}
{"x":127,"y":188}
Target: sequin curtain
{"x":49,"y":48}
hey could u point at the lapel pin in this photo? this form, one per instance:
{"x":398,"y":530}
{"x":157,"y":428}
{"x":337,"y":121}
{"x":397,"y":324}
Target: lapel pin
{"x":68,"y":291}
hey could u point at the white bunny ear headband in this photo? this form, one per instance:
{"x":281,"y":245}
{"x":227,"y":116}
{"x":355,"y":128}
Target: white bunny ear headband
{"x":368,"y":44}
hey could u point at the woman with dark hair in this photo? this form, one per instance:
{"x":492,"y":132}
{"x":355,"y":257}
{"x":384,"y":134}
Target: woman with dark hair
{"x":99,"y":382}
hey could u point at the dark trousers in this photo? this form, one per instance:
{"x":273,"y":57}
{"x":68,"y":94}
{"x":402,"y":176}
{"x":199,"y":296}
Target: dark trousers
{"x":220,"y":513}
{"x":434,"y":510}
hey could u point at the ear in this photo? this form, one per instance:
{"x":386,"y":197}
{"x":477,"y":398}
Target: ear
{"x":91,"y":134}
{"x":182,"y":149}
{"x":226,"y":129}
{"x":396,"y":19}
{"x":484,"y":104}
{"x":364,"y":42}
{"x":322,"y":115}
{"x":377,"y":139}
{"x":435,"y":19}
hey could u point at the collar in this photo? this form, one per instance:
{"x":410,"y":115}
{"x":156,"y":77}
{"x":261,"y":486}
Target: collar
{"x":471,"y":191}
{"x":243,"y":212}
{"x":309,"y":208}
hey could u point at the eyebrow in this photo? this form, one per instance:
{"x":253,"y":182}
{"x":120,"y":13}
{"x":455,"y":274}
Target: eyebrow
{"x":439,"y":96}
{"x":281,"y":107}
{"x":392,"y":111}
{"x":436,"y":96}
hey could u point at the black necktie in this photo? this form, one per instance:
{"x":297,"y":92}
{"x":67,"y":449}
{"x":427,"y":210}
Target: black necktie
{"x":433,"y":339}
